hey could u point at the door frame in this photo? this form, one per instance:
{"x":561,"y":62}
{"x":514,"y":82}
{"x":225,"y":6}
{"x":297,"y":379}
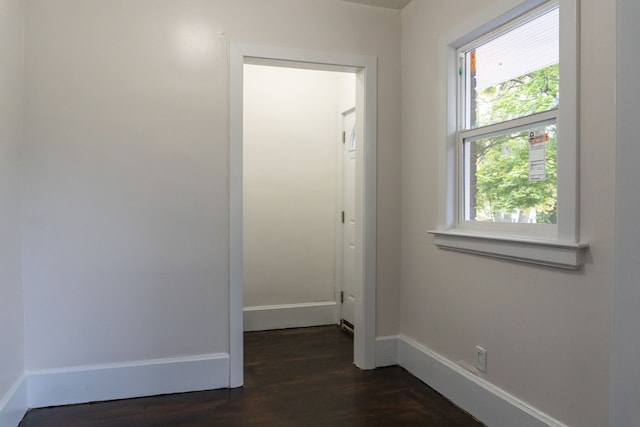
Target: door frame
{"x":365,"y":69}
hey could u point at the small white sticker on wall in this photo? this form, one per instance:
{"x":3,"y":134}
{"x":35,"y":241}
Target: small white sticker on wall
{"x":538,"y":155}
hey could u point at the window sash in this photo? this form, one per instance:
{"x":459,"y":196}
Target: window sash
{"x":464,"y":65}
{"x":471,"y":135}
{"x":466,"y":133}
{"x":520,"y":123}
{"x":565,"y":249}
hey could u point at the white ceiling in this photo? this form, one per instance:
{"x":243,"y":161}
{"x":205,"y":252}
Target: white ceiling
{"x":389,"y":4}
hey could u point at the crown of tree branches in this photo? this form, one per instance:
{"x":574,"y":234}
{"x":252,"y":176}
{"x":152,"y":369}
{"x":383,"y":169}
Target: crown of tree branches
{"x":502,"y":163}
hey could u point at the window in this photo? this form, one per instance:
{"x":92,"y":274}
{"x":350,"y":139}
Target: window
{"x":510,"y":184}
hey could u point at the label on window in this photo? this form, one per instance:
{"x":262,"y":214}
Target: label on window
{"x":538,"y":155}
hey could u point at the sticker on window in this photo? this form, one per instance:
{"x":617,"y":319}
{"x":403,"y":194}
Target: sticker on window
{"x":538,"y":155}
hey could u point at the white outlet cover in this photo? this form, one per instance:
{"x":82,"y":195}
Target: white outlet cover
{"x":481,"y":359}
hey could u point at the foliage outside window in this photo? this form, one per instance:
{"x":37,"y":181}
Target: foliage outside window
{"x":510,"y":91}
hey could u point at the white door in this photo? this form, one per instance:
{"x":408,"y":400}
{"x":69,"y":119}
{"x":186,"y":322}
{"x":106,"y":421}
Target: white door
{"x":349,"y":139}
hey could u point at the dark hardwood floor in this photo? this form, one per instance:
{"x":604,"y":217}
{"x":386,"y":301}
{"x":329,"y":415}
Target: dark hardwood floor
{"x":294,"y":377}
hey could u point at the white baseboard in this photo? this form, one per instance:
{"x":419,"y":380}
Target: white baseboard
{"x":83,"y":384}
{"x":266,"y":317}
{"x":387,"y":351}
{"x":14,"y":403}
{"x":488,"y":403}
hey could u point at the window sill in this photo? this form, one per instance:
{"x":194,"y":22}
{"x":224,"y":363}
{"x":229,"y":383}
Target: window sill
{"x":550,"y":253}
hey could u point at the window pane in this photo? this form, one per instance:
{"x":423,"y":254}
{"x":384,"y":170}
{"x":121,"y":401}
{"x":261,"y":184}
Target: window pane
{"x":515,"y":74}
{"x":512,"y":177}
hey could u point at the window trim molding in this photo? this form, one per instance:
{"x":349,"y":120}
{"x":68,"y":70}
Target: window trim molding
{"x":547,"y":252}
{"x":565,"y":249}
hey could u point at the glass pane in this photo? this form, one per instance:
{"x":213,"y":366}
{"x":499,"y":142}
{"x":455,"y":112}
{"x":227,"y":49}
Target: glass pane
{"x":512,"y":177}
{"x":515,"y":74}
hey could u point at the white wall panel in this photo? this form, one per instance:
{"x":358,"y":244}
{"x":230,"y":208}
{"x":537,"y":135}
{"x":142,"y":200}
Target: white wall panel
{"x":626,"y":345}
{"x":547,"y":332}
{"x":126,"y":167}
{"x":11,"y":302}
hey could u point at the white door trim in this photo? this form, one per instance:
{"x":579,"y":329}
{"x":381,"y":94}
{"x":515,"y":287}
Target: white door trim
{"x":365,"y":68}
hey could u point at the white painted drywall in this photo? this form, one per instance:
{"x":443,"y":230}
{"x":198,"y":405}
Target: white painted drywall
{"x":126,"y":167}
{"x":290,"y":166}
{"x":547,"y":332}
{"x":11,"y":86}
{"x":626,"y":305}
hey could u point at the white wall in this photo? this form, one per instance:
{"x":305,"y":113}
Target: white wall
{"x":290,"y":191}
{"x":11,"y":304}
{"x":547,"y":332}
{"x":126,"y":167}
{"x":626,"y":345}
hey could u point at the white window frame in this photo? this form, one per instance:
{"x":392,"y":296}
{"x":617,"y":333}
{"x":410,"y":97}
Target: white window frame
{"x":557,"y":246}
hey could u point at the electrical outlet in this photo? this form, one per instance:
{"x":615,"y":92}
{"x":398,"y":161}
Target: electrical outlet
{"x":481,"y":359}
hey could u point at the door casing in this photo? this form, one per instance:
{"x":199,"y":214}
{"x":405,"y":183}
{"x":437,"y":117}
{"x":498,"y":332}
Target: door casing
{"x":365,"y":69}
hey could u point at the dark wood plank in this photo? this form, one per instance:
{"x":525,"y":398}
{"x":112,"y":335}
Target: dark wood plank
{"x":294,"y":377}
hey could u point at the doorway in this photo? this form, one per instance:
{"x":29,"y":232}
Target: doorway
{"x":364,"y":68}
{"x":291,"y":195}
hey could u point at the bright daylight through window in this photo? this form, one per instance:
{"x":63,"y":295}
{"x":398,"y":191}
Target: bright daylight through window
{"x":509,"y":186}
{"x":509,"y":145}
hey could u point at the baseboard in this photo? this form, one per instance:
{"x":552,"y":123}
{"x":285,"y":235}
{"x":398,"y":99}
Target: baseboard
{"x":83,"y":384}
{"x":387,"y":351}
{"x":14,"y":403}
{"x":486,"y":402}
{"x":266,"y":317}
